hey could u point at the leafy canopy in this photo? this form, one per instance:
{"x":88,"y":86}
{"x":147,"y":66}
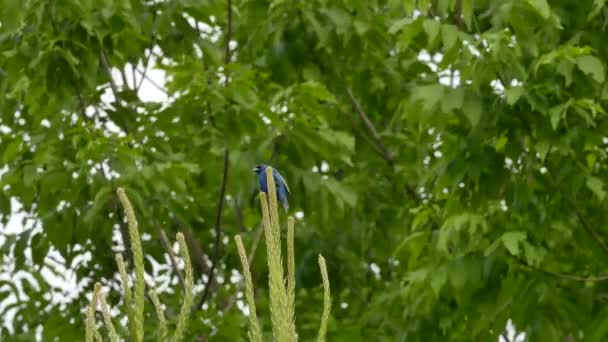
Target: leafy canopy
{"x":449,"y":158}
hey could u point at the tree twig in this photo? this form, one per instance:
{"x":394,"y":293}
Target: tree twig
{"x":220,"y":201}
{"x":156,"y":85}
{"x":218,"y":232}
{"x":588,"y":227}
{"x":385,"y":153}
{"x":600,"y":278}
{"x":108,"y":68}
{"x":228,"y":37}
{"x":164,"y":241}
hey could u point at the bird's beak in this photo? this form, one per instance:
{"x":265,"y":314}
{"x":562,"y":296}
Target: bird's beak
{"x":254,"y":169}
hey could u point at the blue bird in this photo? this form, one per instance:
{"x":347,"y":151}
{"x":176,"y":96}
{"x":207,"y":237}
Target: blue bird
{"x":282,"y":187}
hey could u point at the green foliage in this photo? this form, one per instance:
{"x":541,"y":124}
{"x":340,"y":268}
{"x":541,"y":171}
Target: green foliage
{"x":458,"y":149}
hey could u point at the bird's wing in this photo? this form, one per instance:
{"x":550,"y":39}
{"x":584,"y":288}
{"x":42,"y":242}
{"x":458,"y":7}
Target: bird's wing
{"x":284,"y":183}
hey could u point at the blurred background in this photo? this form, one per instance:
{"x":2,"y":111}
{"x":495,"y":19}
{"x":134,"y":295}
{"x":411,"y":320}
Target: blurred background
{"x":448,"y":158}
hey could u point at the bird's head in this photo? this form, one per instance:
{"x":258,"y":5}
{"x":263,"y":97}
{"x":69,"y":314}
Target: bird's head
{"x":260,"y":168}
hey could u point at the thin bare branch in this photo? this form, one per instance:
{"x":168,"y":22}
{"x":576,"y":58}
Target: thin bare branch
{"x":164,"y":241}
{"x":385,"y":153}
{"x":154,"y":84}
{"x":218,"y":231}
{"x":108,"y":68}
{"x":220,"y":201}
{"x":588,"y":227}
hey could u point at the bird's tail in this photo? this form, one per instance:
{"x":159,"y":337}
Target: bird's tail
{"x":286,"y":206}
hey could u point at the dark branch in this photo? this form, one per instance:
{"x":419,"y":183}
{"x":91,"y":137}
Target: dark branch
{"x":603,"y":277}
{"x":588,"y":227}
{"x":220,"y":200}
{"x":156,"y":85}
{"x":228,"y":35}
{"x":164,"y":241}
{"x":108,"y":68}
{"x":384,"y":152}
{"x":218,"y":232}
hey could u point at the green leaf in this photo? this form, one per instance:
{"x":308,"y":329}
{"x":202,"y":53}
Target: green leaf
{"x":534,"y":255}
{"x":541,"y":7}
{"x":458,"y":273}
{"x":472,"y":110}
{"x":453,"y":99}
{"x":99,"y":202}
{"x":593,"y":66}
{"x":512,"y":240}
{"x":542,"y":147}
{"x":565,"y":68}
{"x":438,"y":279}
{"x":11,"y":151}
{"x":467,"y":12}
{"x":432,"y":28}
{"x":39,"y":248}
{"x":361,"y":26}
{"x":430,"y":95}
{"x":597,"y":7}
{"x":556,"y":114}
{"x":449,"y":36}
{"x":29,"y":175}
{"x":513,"y":94}
{"x":340,"y":18}
{"x":341,"y":191}
{"x":597,"y":186}
{"x":399,"y":24}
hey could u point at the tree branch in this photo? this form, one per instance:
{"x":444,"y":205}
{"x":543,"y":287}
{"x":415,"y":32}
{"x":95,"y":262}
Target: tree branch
{"x":164,"y":241}
{"x":108,"y":68}
{"x":600,"y":278}
{"x":156,"y":85}
{"x":228,"y":36}
{"x":377,"y":144}
{"x":218,"y":232}
{"x":385,"y":153}
{"x":220,"y":201}
{"x":588,"y":227}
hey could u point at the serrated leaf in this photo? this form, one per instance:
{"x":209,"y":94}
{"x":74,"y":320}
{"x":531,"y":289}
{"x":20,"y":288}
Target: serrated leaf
{"x":593,"y":66}
{"x":340,"y":18}
{"x":429,"y":95}
{"x":534,"y":255}
{"x":449,"y":36}
{"x":472,"y":110}
{"x":341,"y":191}
{"x":556,"y":113}
{"x":458,"y":273}
{"x":11,"y":151}
{"x":513,"y":94}
{"x":542,"y":147}
{"x":398,"y":25}
{"x":453,"y":99}
{"x":541,"y":7}
{"x":512,"y":240}
{"x":565,"y":68}
{"x":597,"y":186}
{"x":432,"y":28}
{"x":29,"y":175}
{"x":438,"y":279}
